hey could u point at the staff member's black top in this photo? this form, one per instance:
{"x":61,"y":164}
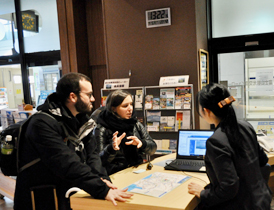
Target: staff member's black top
{"x":236,"y":183}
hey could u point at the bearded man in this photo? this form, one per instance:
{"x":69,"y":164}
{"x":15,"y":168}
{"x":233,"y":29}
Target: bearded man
{"x":60,"y":143}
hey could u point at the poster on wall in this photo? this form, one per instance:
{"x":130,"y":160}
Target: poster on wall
{"x":203,"y":68}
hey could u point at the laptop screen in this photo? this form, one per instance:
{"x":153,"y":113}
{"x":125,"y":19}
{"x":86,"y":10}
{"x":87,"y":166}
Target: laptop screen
{"x":192,"y":143}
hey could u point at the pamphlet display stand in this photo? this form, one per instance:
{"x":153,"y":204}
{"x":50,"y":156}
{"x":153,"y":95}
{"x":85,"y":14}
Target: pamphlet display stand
{"x":168,"y":109}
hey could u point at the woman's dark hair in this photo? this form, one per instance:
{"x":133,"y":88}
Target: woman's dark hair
{"x":115,"y":98}
{"x":69,"y":83}
{"x":209,"y":97}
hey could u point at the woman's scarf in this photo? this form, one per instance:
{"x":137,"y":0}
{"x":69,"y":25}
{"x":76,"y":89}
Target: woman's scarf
{"x":113,"y":122}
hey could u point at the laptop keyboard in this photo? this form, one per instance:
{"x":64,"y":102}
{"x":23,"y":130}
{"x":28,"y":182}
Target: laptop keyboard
{"x":189,"y":162}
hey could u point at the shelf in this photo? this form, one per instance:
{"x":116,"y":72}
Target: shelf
{"x":163,"y":151}
{"x":165,"y":109}
{"x":162,"y":131}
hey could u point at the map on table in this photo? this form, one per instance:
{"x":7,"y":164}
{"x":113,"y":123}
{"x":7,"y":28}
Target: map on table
{"x":157,"y":184}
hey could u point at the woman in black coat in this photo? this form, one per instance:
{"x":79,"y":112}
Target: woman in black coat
{"x":121,"y":139}
{"x":233,"y":158}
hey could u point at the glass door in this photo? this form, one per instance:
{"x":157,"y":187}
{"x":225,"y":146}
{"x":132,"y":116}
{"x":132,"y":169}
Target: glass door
{"x":249,"y":77}
{"x":43,"y":81}
{"x":11,"y":94}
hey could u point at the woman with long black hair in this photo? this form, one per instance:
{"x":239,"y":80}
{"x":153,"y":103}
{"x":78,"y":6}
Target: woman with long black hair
{"x":233,"y":158}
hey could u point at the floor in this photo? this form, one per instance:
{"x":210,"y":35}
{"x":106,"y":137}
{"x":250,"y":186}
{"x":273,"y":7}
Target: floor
{"x":7,"y":204}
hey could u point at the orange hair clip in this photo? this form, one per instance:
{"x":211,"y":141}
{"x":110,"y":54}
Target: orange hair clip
{"x":226,"y":101}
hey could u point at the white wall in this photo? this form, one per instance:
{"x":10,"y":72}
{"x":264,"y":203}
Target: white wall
{"x":231,"y":68}
{"x":240,"y":17}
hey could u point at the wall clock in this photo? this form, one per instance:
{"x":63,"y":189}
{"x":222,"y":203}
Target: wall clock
{"x":29,"y":21}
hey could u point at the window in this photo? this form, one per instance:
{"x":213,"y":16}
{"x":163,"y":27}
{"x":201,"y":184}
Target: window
{"x":242,"y":17}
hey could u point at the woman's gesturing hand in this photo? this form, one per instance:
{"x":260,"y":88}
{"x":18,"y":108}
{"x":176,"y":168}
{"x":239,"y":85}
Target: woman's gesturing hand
{"x":119,"y":195}
{"x":117,"y":140}
{"x":134,"y":141}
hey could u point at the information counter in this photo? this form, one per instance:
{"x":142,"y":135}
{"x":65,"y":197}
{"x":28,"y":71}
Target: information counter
{"x":178,"y":198}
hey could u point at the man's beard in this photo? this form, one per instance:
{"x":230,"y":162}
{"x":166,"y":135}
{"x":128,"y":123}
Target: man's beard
{"x":82,"y":107}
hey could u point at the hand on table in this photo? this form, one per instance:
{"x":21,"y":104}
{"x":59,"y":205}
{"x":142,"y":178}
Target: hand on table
{"x":119,"y":195}
{"x":195,"y":189}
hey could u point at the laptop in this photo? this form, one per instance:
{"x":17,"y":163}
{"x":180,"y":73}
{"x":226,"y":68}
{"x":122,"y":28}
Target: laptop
{"x":191,"y":149}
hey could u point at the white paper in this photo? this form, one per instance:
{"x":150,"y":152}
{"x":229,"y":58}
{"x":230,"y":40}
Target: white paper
{"x":174,"y":80}
{"x":116,"y":83}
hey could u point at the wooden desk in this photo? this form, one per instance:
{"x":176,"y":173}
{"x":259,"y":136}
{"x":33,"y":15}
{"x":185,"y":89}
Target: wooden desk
{"x":270,"y":158}
{"x":7,"y":186}
{"x":178,"y":198}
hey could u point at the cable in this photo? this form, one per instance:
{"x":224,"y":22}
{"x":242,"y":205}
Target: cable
{"x":184,"y":172}
{"x":194,"y":177}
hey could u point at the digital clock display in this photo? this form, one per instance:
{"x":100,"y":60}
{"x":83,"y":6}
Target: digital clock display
{"x":158,"y":14}
{"x":158,"y":17}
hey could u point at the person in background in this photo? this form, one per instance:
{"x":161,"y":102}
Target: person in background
{"x":233,"y":157}
{"x":121,"y":138}
{"x":63,"y":163}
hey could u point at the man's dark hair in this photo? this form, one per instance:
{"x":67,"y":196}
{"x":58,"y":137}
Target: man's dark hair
{"x":69,"y":83}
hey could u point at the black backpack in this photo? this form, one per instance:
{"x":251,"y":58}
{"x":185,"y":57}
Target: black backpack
{"x":9,"y":164}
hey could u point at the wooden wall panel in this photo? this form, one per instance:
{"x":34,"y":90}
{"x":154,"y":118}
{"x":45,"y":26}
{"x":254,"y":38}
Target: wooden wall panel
{"x":114,"y":39}
{"x":150,"y":52}
{"x":95,"y":30}
{"x":98,"y":74}
{"x":63,"y":34}
{"x":201,"y":31}
{"x":96,"y":47}
{"x":73,"y":36}
{"x":80,"y":37}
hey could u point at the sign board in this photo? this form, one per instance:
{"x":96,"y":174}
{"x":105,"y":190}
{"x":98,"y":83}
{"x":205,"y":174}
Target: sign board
{"x":116,"y":83}
{"x":174,"y":80}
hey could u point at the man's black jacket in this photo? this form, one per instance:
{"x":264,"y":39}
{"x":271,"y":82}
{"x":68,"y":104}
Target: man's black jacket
{"x":61,"y":165}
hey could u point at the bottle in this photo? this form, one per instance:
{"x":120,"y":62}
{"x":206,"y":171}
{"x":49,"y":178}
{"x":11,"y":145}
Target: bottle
{"x":7,"y":147}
